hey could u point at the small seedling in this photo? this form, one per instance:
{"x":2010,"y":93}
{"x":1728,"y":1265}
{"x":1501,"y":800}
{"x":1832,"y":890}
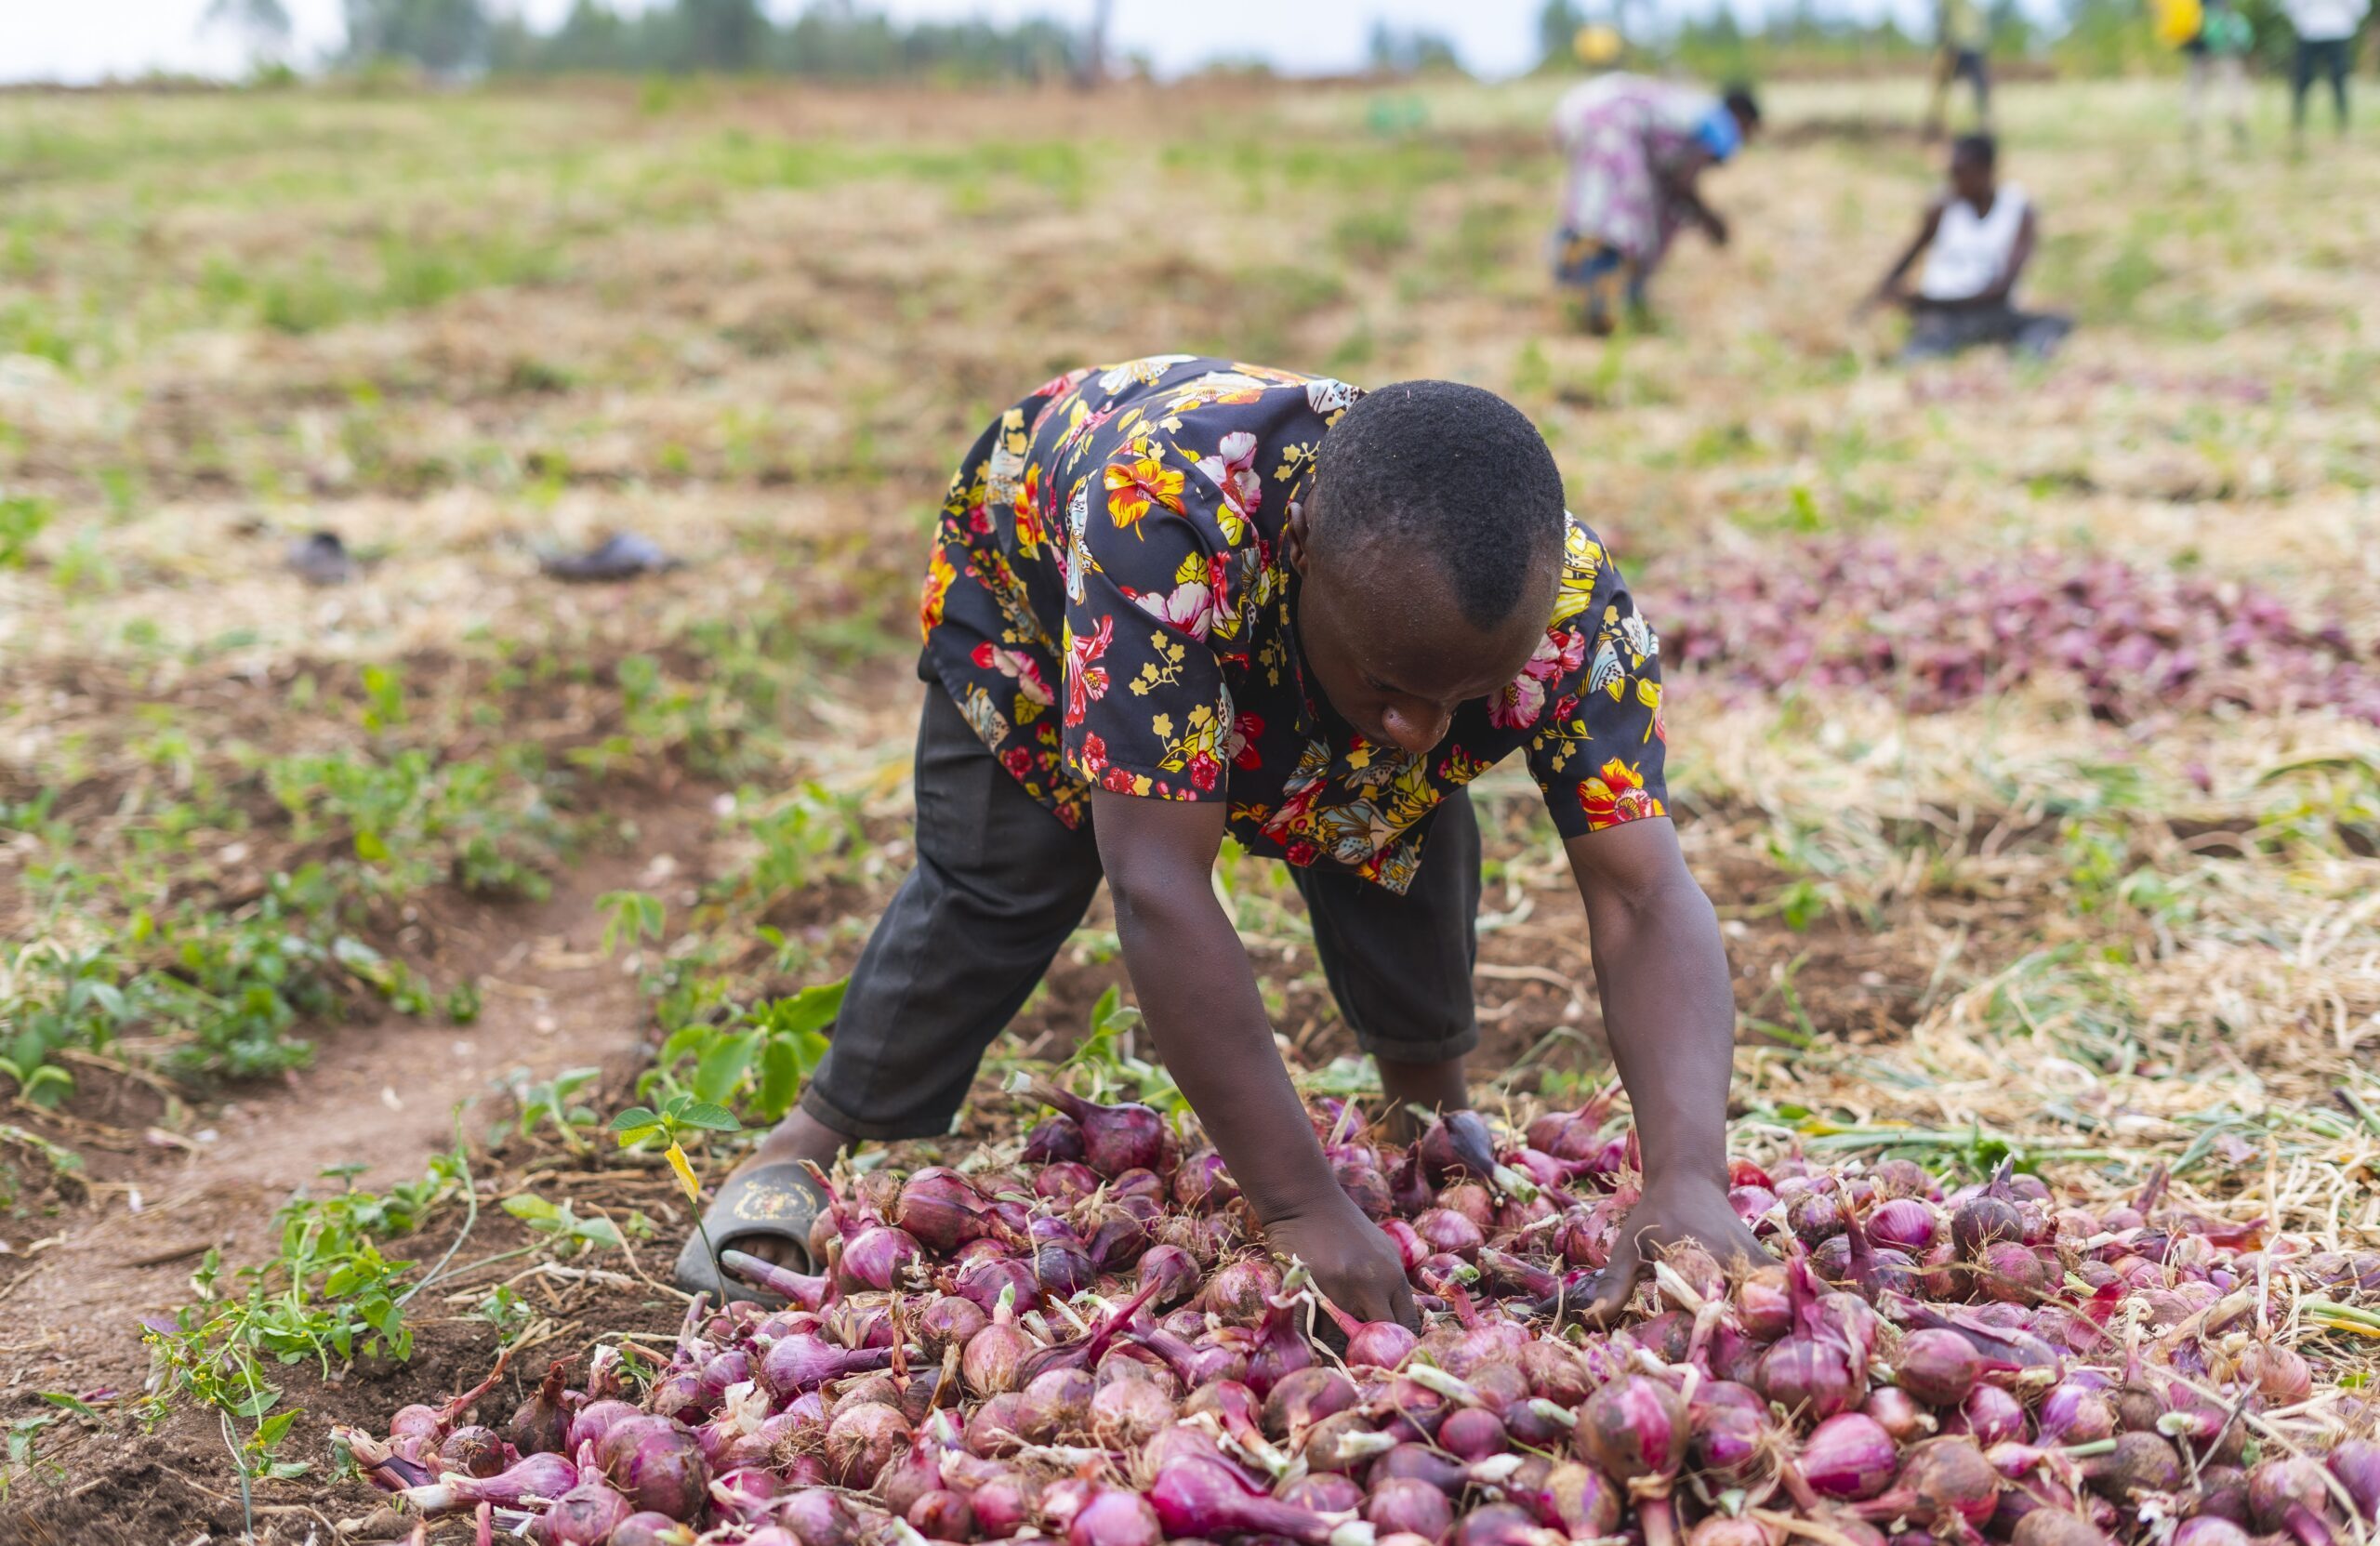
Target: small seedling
{"x":683,"y":1114}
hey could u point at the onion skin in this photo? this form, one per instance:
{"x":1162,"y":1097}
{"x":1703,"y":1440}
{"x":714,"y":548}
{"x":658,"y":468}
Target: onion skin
{"x":1125,"y":1415}
{"x":1115,"y":1139}
{"x":989,"y":1360}
{"x":2141,"y":1462}
{"x":1473,"y":1434}
{"x":1804,"y":1373}
{"x":1943,"y":1482}
{"x":540,"y":1423}
{"x":1903,"y":1224}
{"x":1899,"y":1414}
{"x":656,"y":1464}
{"x":473,"y":1451}
{"x":2276,"y":1486}
{"x":1194,"y":1497}
{"x":585,"y":1515}
{"x":1633,"y":1428}
{"x":1401,"y":1505}
{"x":863,"y":1441}
{"x":651,"y":1529}
{"x":2205,"y":1529}
{"x":950,"y":1321}
{"x":1057,"y":1405}
{"x":1005,"y":1504}
{"x":2057,"y":1527}
{"x":943,"y":1515}
{"x":1937,"y":1367}
{"x":1172,"y":1272}
{"x":1848,"y":1455}
{"x":1989,"y":1415}
{"x":595,"y":1420}
{"x":2356,"y":1462}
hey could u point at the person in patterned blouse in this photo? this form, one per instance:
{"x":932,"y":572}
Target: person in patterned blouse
{"x":1183,"y":597}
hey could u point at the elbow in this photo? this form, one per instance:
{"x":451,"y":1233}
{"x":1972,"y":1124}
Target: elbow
{"x":1155,"y":901}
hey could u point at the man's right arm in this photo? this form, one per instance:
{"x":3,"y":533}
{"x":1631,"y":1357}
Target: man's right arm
{"x":1197,"y":994}
{"x":1889,"y":288}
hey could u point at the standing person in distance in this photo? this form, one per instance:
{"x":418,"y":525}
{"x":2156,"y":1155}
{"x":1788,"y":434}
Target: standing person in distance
{"x":1962,"y":52}
{"x":2218,"y":55}
{"x":2325,"y":46}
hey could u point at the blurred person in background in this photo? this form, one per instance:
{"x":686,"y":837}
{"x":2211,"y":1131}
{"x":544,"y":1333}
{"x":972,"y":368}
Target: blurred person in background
{"x":1181,"y":597}
{"x":2325,"y":46}
{"x":1962,"y":52}
{"x":1635,"y":151}
{"x":1976,"y":239}
{"x":2218,"y":55}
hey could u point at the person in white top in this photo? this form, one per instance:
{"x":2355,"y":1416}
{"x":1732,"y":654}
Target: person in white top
{"x":2325,"y":44}
{"x":1976,"y":240}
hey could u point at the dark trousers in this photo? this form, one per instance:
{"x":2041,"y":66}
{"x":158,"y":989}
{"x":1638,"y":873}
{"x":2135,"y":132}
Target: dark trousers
{"x":1937,"y":334}
{"x":1000,"y":883}
{"x":2325,"y":57}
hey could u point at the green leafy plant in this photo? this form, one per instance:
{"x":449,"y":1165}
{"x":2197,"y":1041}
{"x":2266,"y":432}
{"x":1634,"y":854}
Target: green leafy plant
{"x":569,"y":1234}
{"x":757,"y":1061}
{"x":1106,"y":1058}
{"x":630,"y":918}
{"x":676,"y":1117}
{"x":328,"y":1294}
{"x":23,"y":516}
{"x":550,"y":1102}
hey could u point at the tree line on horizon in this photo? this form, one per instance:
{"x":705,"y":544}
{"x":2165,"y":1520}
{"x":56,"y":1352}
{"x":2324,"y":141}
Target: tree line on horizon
{"x":847,"y":40}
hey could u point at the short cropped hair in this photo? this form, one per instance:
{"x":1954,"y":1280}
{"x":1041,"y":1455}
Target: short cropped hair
{"x":1454,"y":472}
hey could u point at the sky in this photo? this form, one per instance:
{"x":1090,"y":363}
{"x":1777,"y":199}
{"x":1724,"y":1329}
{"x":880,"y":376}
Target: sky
{"x":86,"y":40}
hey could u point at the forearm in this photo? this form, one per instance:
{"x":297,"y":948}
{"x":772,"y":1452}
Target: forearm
{"x":1670,"y":1012}
{"x":1197,"y":995}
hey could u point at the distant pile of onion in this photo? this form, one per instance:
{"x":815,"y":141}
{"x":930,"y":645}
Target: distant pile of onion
{"x":1083,"y":1342}
{"x":2136,"y":641}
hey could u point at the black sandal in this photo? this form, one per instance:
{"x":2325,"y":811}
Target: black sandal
{"x":622,"y":556}
{"x":777,"y":1201}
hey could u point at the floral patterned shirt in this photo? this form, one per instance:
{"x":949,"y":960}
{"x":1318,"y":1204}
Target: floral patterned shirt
{"x":1108,"y":601}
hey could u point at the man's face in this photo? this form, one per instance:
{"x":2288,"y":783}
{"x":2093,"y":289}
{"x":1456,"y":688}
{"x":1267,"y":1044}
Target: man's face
{"x":1389,"y":649}
{"x":1970,"y":178}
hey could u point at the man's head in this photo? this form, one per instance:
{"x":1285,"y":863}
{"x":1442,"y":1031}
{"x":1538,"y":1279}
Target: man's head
{"x":1428,"y":550}
{"x":1975,"y":161}
{"x":1744,"y":107}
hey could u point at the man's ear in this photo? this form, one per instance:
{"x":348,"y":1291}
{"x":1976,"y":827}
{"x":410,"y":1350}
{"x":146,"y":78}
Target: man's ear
{"x":1294,"y":535}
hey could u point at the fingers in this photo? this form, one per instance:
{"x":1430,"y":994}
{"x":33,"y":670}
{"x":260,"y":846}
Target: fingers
{"x":1401,"y":1306}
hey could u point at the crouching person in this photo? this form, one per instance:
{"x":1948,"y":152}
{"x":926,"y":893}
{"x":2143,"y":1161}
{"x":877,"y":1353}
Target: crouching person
{"x":1976,"y":240}
{"x":1183,"y":597}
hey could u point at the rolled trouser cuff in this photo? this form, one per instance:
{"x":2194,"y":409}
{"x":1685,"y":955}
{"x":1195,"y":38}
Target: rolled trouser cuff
{"x":1461,"y":1044}
{"x":835,"y":1118}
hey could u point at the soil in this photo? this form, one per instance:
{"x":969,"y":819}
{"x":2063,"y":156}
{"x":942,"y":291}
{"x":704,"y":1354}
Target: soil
{"x":385,"y":1097}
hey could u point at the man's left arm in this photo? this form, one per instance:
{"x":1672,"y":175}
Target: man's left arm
{"x":2020,"y":252}
{"x":1668,"y":1011}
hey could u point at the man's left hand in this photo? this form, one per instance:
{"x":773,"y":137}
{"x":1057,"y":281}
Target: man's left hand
{"x":1670,"y":1210}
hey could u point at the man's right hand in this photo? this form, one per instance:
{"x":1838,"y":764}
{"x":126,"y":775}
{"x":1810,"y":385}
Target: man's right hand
{"x":1354,"y":1262}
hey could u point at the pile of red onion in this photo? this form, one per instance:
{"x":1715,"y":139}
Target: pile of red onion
{"x":2136,"y":642}
{"x":1087,"y":1342}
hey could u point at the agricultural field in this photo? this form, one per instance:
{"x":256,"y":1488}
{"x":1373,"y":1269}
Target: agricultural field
{"x":2022,"y":718}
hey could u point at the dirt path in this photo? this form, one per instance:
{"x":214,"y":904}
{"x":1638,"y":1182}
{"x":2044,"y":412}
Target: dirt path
{"x":379,"y":1096}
